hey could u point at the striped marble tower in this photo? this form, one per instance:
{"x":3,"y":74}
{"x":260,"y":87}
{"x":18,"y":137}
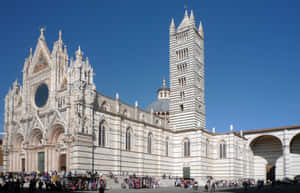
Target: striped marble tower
{"x":187,"y":105}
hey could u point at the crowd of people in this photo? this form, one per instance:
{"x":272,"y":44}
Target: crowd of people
{"x":134,"y":182}
{"x":50,"y":181}
{"x":61,"y":181}
{"x":212,"y":185}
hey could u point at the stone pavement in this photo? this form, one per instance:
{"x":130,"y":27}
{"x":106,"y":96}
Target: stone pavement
{"x":266,"y":189}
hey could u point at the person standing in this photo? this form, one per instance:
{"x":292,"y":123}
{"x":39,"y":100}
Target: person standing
{"x":102,"y":186}
{"x":213,"y":187}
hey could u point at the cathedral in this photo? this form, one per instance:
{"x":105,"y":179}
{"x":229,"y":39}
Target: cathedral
{"x":56,"y":120}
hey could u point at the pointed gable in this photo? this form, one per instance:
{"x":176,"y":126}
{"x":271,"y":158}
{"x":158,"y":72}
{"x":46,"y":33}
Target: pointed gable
{"x":185,"y":22}
{"x":37,"y":123}
{"x":41,"y":59}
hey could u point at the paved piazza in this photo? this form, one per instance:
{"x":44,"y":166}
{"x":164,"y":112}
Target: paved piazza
{"x":267,"y":189}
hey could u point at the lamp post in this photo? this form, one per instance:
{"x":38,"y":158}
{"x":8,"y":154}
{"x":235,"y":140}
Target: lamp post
{"x":121,"y":118}
{"x":93,"y":139}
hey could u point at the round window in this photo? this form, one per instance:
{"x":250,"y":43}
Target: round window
{"x":41,"y":95}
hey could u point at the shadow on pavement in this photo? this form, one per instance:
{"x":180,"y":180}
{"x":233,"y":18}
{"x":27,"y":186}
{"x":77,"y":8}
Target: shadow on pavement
{"x":283,"y":188}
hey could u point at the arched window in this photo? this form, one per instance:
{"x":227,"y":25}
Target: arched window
{"x":206,"y":147}
{"x":102,"y":134}
{"x":149,"y":146}
{"x":222,"y":150}
{"x":167,"y":146}
{"x":186,"y":147}
{"x":128,"y":139}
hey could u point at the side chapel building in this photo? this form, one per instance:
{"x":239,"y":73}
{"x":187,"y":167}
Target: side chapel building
{"x":56,"y":120}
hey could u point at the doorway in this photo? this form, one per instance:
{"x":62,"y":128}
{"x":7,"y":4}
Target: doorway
{"x":41,"y":161}
{"x":186,"y":172}
{"x":23,"y":164}
{"x":270,"y":172}
{"x":62,"y":162}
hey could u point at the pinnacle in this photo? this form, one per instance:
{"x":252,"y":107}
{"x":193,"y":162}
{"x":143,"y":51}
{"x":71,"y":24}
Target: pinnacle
{"x":79,"y":53}
{"x":79,"y":50}
{"x":60,"y":35}
{"x":42,"y":36}
{"x":200,"y":27}
{"x":172,"y":26}
{"x":192,"y":18}
{"x":185,"y":21}
{"x":200,"y":30}
{"x":172,"y":23}
{"x":30,"y":52}
{"x":186,"y":13}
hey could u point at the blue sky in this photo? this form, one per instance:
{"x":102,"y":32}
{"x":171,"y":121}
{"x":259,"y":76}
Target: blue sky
{"x":252,"y":51}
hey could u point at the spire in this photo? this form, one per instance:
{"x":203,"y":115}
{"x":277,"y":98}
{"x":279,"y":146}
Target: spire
{"x":59,"y":35}
{"x":172,"y":27}
{"x":42,"y":36}
{"x":186,"y":20}
{"x":87,"y":61}
{"x":192,"y":18}
{"x":200,"y":30}
{"x":231,"y":127}
{"x":30,"y":53}
{"x":186,"y":15}
{"x":79,"y":54}
{"x":164,"y":82}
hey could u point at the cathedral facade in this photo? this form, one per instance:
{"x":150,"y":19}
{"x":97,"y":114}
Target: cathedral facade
{"x":56,"y":120}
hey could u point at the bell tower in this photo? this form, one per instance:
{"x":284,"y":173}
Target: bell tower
{"x":187,"y":104}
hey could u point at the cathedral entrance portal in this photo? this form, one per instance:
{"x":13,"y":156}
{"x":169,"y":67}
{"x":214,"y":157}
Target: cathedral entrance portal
{"x":270,"y":172}
{"x":41,"y":161}
{"x":62,"y":162}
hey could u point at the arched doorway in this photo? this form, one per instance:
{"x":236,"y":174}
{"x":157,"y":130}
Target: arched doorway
{"x":295,"y":155}
{"x":62,"y":162}
{"x":19,"y":154}
{"x":36,"y":154}
{"x":267,"y":157}
{"x":57,"y":148}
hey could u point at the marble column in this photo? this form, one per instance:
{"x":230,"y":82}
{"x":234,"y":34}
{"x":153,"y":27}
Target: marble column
{"x":286,"y":156}
{"x":286,"y":153}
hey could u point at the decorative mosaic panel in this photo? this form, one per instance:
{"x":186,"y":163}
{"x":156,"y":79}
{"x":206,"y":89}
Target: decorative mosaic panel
{"x":41,"y":64}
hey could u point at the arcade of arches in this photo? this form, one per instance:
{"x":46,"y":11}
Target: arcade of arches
{"x":267,"y":156}
{"x":40,"y":153}
{"x":274,"y":160}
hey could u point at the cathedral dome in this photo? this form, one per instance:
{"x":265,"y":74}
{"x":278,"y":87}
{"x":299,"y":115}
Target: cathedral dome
{"x":161,"y":105}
